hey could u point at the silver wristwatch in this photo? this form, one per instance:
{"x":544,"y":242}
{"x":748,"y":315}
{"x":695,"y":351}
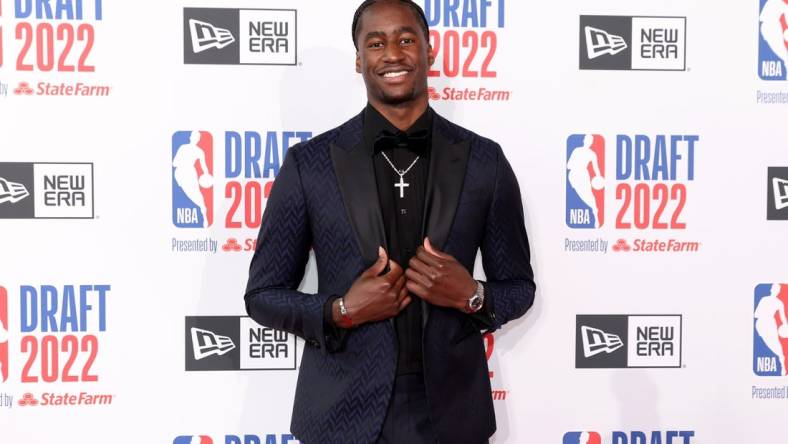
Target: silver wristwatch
{"x":476,"y":301}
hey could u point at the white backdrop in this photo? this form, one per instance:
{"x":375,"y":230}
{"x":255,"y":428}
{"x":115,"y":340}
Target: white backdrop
{"x":127,"y":240}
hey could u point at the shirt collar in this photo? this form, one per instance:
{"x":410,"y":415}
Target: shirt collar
{"x":375,"y":123}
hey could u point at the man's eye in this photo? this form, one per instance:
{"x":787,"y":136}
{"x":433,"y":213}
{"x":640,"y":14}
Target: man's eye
{"x":407,"y":41}
{"x":375,"y":45}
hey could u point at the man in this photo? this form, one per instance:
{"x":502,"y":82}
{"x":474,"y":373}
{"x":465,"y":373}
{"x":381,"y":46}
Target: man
{"x":395,"y":203}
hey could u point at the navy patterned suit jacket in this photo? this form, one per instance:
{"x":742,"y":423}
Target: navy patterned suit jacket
{"x":325,"y":199}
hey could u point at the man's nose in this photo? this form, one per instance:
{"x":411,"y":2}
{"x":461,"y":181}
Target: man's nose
{"x":392,"y":53}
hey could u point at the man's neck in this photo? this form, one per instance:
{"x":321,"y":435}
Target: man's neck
{"x":401,"y":116}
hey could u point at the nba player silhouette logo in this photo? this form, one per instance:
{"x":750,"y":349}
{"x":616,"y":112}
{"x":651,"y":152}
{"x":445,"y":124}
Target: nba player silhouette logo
{"x":192,"y":179}
{"x":582,"y":438}
{"x":773,"y":39}
{"x":585,"y":181}
{"x":770,"y":330}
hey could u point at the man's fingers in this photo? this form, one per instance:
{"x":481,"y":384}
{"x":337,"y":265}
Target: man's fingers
{"x":416,"y":277}
{"x":430,"y":259}
{"x":395,"y":271}
{"x":400,"y":284}
{"x":416,"y":289}
{"x":402,"y":294}
{"x":432,"y":250}
{"x":418,"y":265}
{"x":404,"y":303}
{"x":379,"y":264}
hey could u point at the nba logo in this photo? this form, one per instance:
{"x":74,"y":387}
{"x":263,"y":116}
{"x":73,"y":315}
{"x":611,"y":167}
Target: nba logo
{"x":3,"y":335}
{"x":770,"y":330}
{"x":582,"y":438}
{"x":585,"y":181}
{"x":202,"y":439}
{"x":773,"y":39}
{"x":192,"y":179}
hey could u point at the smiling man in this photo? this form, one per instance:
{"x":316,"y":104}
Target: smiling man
{"x":395,"y":203}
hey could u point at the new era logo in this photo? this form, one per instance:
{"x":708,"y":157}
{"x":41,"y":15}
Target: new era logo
{"x":777,"y":194}
{"x":628,"y":341}
{"x":780,"y":193}
{"x":11,"y":191}
{"x":207,"y":343}
{"x":205,"y":36}
{"x":226,"y":36}
{"x":55,"y":190}
{"x":236,"y":343}
{"x":596,"y":341}
{"x":599,"y":42}
{"x":633,"y":43}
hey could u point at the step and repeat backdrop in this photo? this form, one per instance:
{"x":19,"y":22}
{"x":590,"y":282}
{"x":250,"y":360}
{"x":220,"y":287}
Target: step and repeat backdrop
{"x":139,"y":142}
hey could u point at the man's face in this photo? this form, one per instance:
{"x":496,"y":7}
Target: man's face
{"x":393,"y":54}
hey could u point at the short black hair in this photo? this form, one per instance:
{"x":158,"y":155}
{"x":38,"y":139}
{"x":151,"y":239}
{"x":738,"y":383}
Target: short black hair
{"x":367,"y":3}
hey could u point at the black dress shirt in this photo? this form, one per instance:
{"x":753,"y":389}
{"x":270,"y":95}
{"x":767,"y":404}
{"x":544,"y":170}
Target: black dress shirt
{"x":402,"y":208}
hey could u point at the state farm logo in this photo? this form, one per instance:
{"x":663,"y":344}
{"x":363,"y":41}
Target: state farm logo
{"x":232,"y":245}
{"x":656,"y":246}
{"x":23,"y":89}
{"x":28,"y":400}
{"x":224,"y":36}
{"x":633,"y":43}
{"x":65,"y":399}
{"x":621,"y":245}
{"x":62,"y":89}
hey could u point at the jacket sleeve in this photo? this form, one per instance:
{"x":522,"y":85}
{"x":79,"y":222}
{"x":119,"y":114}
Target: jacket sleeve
{"x":506,"y":256}
{"x":272,"y":297}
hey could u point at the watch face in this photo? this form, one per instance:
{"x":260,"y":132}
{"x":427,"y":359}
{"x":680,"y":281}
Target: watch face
{"x":476,"y":302}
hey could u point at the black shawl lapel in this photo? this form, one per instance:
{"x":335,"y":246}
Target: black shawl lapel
{"x":356,"y":177}
{"x":448,"y":161}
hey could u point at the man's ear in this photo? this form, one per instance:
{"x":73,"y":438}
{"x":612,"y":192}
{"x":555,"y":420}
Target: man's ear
{"x":358,"y":62}
{"x":430,"y":55}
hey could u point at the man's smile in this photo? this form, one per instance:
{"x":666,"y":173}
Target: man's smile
{"x":395,"y":75}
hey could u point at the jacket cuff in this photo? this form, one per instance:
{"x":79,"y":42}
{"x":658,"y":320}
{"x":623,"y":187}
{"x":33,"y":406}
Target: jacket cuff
{"x":335,"y":337}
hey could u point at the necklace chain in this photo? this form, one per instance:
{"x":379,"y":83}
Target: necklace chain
{"x":398,"y":171}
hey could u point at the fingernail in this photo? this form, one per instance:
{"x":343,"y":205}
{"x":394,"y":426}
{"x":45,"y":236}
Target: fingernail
{"x":381,"y":251}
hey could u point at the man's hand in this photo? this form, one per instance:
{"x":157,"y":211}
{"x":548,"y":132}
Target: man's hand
{"x":373,"y":297}
{"x":439,"y":279}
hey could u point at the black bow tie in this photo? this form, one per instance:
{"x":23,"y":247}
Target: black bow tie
{"x":416,"y":141}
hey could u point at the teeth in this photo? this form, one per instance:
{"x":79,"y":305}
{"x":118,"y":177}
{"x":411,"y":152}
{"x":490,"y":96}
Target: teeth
{"x":395,"y":74}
